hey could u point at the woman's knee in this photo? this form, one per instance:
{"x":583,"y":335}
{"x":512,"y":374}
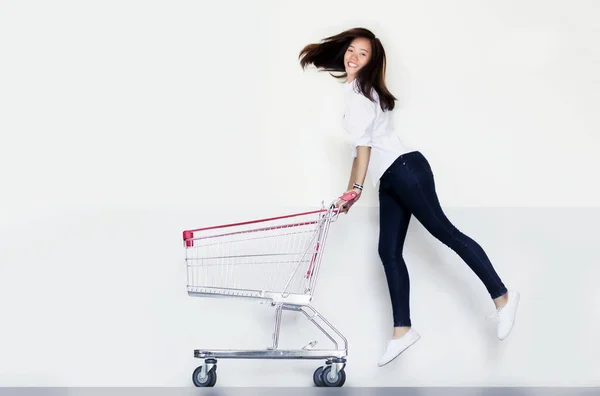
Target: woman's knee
{"x":444,"y":231}
{"x":386,"y":251}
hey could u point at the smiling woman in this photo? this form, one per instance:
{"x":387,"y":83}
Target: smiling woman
{"x":358,"y":54}
{"x":406,"y":181}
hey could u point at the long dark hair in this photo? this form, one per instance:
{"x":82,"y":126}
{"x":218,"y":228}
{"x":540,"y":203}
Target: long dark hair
{"x":329,"y":56}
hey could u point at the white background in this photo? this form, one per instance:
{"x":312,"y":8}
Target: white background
{"x":125,"y":122}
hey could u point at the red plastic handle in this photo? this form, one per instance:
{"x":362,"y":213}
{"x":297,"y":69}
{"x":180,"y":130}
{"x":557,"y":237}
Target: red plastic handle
{"x":349,"y":196}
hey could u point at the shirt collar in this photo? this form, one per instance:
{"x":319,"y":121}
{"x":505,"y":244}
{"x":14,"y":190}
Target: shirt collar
{"x":351,"y":85}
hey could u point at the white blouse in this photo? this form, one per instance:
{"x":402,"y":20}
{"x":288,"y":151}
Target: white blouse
{"x":367,"y":125}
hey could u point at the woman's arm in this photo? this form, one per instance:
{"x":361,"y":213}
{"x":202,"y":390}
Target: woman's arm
{"x":357,"y":175}
{"x":359,"y":118}
{"x":360,"y":165}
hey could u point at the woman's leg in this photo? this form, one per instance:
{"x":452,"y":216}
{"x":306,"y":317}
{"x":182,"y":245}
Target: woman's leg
{"x":412,"y":180}
{"x":414,"y":183}
{"x":394,"y":218}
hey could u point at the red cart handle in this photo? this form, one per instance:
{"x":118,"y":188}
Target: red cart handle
{"x":349,"y":196}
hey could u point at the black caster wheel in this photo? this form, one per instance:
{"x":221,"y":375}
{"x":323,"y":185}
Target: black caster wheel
{"x":332,"y":383}
{"x":317,"y":377}
{"x":207,"y":381}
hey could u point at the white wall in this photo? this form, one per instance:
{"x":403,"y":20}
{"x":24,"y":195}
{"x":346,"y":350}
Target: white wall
{"x":124,"y":123}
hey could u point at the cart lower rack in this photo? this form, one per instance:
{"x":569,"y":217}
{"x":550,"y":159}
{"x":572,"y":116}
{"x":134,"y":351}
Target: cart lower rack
{"x":274,"y":260}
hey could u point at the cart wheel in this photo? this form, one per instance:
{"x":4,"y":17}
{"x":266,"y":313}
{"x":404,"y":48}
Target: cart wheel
{"x":337,"y":382}
{"x":208,"y":381}
{"x":317,"y":377}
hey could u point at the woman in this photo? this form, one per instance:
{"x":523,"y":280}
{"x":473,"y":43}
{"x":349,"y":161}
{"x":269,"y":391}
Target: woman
{"x":406,"y":182}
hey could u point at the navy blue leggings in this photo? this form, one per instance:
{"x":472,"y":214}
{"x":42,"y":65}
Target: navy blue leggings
{"x":407,"y":188}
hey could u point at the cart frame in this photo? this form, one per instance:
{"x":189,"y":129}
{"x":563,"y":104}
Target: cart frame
{"x":331,"y":373}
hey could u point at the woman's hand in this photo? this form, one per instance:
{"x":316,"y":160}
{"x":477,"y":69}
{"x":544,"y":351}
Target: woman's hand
{"x":344,"y":206}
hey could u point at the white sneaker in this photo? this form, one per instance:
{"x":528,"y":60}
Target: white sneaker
{"x":505,"y":316}
{"x":398,"y":345}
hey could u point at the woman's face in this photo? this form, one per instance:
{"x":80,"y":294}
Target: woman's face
{"x":357,"y":56}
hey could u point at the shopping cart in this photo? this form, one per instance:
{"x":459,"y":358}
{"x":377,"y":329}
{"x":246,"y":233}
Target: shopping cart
{"x":274,"y":260}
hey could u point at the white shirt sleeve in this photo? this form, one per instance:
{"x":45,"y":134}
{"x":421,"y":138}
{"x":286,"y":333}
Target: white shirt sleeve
{"x":359,"y":117}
